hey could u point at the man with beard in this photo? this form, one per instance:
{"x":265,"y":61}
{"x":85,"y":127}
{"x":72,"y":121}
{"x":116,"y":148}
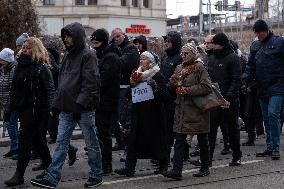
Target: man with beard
{"x":224,"y":68}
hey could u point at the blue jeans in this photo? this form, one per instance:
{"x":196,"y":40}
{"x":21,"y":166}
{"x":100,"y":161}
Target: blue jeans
{"x":271,"y":107}
{"x":12,"y":128}
{"x":65,"y":129}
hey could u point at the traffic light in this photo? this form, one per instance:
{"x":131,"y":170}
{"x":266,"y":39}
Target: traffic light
{"x":218,"y":6}
{"x":238,"y":5}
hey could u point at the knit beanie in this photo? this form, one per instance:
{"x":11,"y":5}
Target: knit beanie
{"x":7,"y":55}
{"x":190,"y":46}
{"x":100,"y":35}
{"x":21,"y":39}
{"x":260,"y":26}
{"x":220,"y":39}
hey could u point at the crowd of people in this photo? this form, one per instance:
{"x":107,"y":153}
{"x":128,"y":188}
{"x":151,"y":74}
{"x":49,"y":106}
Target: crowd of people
{"x":114,"y":86}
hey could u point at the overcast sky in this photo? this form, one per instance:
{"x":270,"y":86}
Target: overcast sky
{"x":191,"y":7}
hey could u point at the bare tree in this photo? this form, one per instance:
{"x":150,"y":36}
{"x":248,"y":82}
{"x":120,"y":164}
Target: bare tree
{"x":16,"y":17}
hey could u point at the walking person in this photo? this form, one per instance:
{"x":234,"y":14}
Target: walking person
{"x":190,"y":80}
{"x":76,"y":98}
{"x":266,"y":65}
{"x":7,"y":68}
{"x":31,"y":94}
{"x":148,"y":119}
{"x":109,"y":67}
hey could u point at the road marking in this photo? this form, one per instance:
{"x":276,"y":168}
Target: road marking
{"x":185,"y":171}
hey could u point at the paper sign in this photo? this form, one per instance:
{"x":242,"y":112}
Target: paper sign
{"x":142,"y":92}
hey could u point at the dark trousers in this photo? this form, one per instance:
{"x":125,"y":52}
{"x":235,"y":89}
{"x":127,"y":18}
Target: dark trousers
{"x":229,"y":119}
{"x":170,"y":112}
{"x":53,"y":127}
{"x":130,"y":163}
{"x":103,"y":123}
{"x":31,"y":135}
{"x":179,"y":148}
{"x":253,"y":123}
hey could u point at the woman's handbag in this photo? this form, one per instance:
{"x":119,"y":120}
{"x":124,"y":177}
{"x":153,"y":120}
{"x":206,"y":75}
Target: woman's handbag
{"x":210,"y":101}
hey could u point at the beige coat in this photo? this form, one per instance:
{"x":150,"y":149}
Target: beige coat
{"x":189,"y":119}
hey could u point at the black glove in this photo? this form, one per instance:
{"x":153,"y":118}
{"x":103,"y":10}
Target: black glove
{"x":55,"y":112}
{"x":6,"y":116}
{"x":76,"y":116}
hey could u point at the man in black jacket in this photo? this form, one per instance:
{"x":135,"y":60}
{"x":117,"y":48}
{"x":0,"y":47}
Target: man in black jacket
{"x":109,"y":66}
{"x":129,"y":61}
{"x":76,"y":98}
{"x":225,"y":69}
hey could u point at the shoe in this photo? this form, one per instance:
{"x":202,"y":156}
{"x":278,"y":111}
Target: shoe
{"x":15,"y":180}
{"x":195,"y":162}
{"x":275,"y":155}
{"x":40,"y":167}
{"x":72,"y":157}
{"x":125,"y":171}
{"x":235,"y":162}
{"x":10,"y":154}
{"x":42,"y":183}
{"x":266,"y":153}
{"x":51,"y":141}
{"x":172,"y":174}
{"x":203,"y":172}
{"x":117,"y":147}
{"x":226,"y":151}
{"x":248,"y":143}
{"x":15,"y":157}
{"x":93,"y":182}
{"x":40,"y":176}
{"x":195,"y":153}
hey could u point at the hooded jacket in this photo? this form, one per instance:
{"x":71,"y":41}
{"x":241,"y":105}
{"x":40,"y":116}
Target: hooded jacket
{"x":265,"y":64}
{"x":78,"y":80}
{"x":129,"y":60}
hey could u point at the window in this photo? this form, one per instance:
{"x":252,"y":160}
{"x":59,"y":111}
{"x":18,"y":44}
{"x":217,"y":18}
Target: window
{"x":146,"y":3}
{"x":135,"y":3}
{"x":92,"y":2}
{"x":123,"y":3}
{"x":80,"y":2}
{"x":48,"y":2}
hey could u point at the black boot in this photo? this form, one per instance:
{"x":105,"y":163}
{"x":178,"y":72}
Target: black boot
{"x":15,"y":180}
{"x":203,"y":172}
{"x":172,"y":174}
{"x":125,"y":171}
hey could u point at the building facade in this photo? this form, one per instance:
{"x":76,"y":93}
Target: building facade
{"x":135,"y":17}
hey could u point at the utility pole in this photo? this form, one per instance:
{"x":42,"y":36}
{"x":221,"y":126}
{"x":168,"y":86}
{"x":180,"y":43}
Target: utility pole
{"x":200,"y":19}
{"x":209,"y":19}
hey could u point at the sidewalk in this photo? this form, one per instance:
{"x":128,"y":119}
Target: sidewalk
{"x":5,"y":141}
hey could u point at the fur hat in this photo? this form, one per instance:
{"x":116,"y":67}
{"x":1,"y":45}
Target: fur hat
{"x":21,"y":39}
{"x":7,"y":55}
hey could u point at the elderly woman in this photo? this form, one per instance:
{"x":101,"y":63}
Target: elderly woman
{"x":147,"y":138}
{"x":31,"y":94}
{"x":190,"y":80}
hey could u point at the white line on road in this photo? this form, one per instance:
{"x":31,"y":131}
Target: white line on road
{"x":185,"y":171}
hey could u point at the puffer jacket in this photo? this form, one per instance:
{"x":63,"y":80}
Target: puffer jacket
{"x":189,"y":119}
{"x":78,"y":80}
{"x":265,"y":64}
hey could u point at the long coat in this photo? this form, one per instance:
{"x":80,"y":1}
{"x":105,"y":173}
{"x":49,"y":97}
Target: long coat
{"x":189,"y":119}
{"x":148,"y":133}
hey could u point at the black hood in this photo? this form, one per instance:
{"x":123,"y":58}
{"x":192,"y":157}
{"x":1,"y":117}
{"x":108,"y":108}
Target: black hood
{"x":142,"y":40}
{"x":52,"y":47}
{"x":175,"y":39}
{"x":111,"y":48}
{"x":77,"y":32}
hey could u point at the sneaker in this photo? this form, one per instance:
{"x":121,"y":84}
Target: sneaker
{"x":42,"y":183}
{"x":235,"y":162}
{"x":125,"y":171}
{"x":203,"y":172}
{"x":93,"y":182}
{"x":10,"y":154}
{"x":226,"y":151}
{"x":172,"y":174}
{"x":266,"y":153}
{"x":275,"y":155}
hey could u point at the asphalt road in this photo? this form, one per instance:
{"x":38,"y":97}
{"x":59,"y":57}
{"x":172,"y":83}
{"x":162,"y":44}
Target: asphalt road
{"x":258,"y":173}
